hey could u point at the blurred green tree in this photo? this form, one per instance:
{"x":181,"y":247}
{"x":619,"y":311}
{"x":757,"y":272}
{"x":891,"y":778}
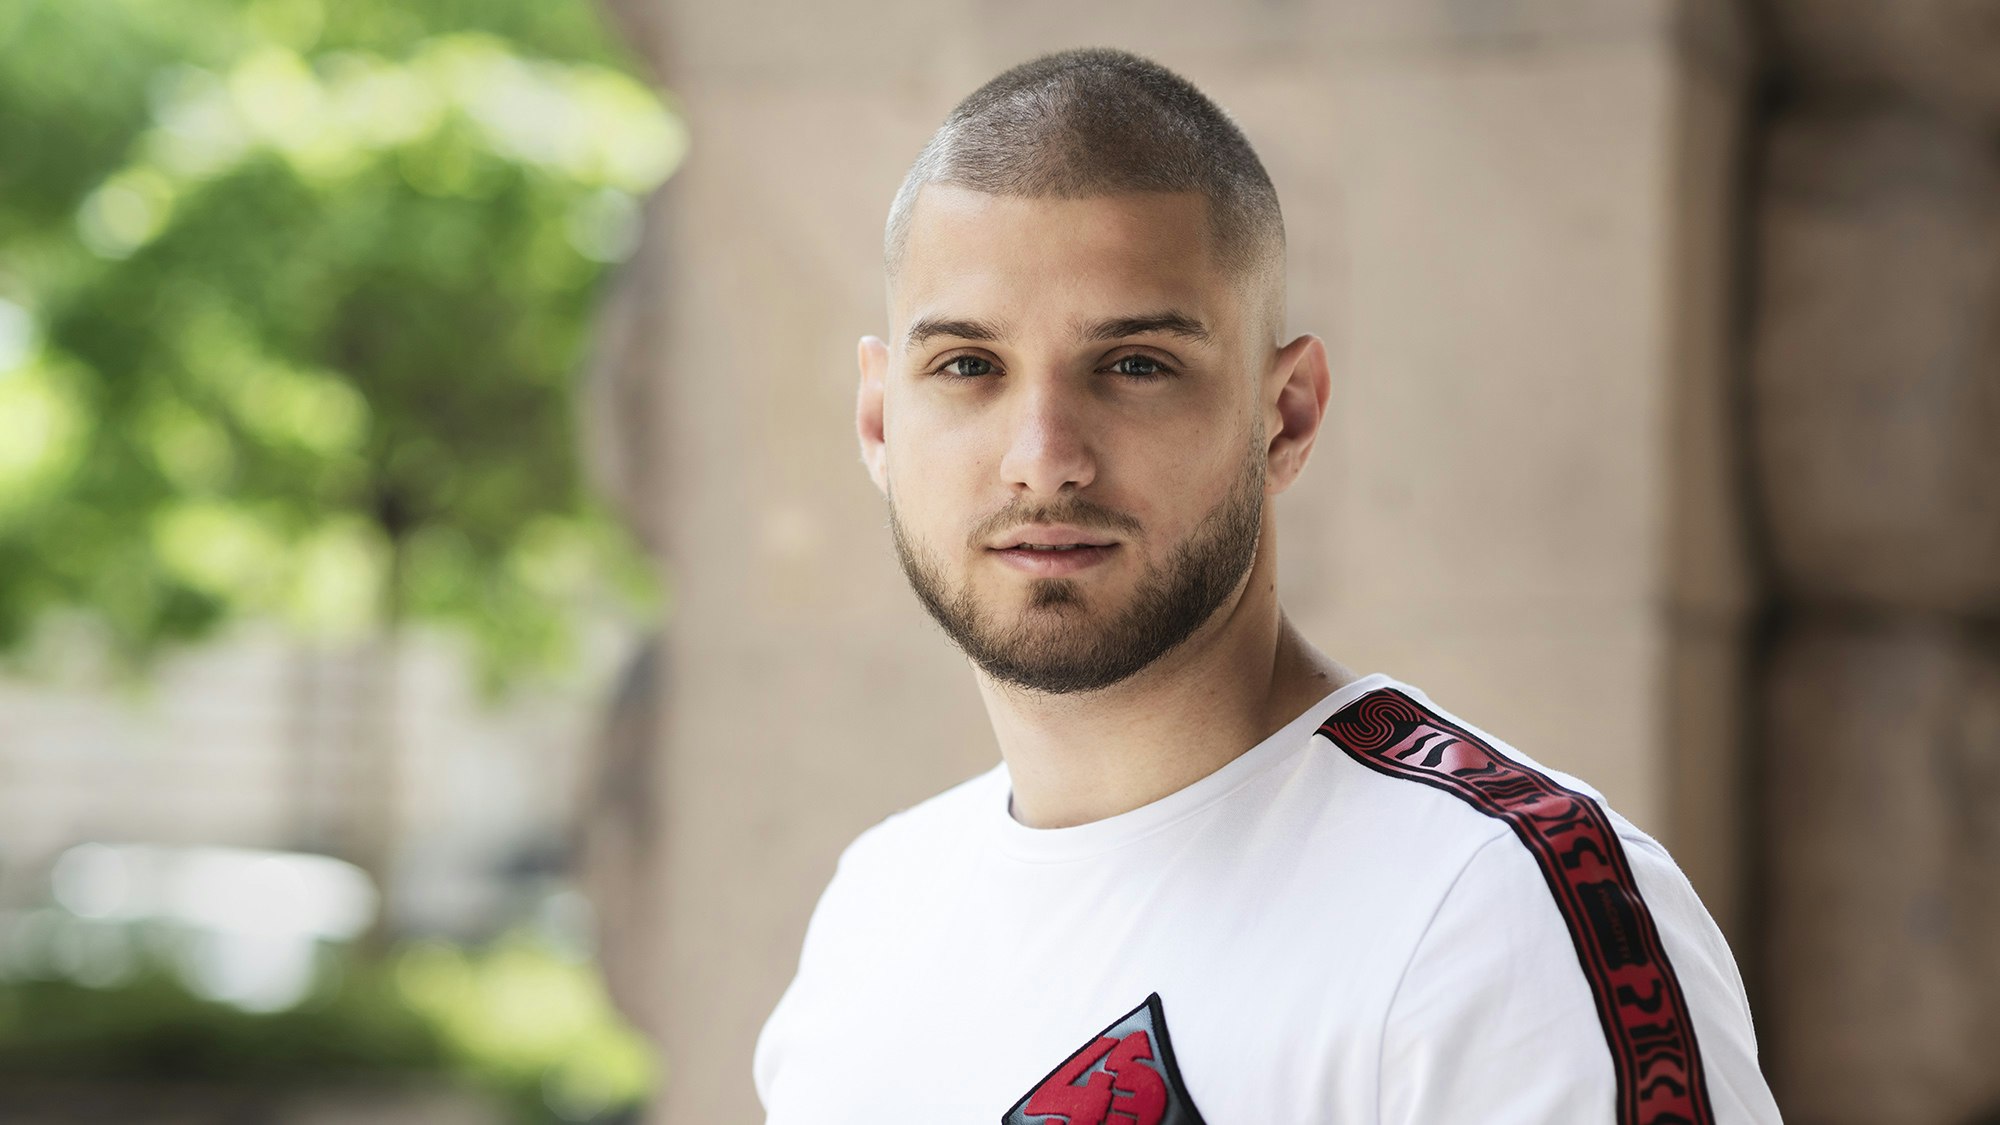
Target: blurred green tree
{"x":292,"y":297}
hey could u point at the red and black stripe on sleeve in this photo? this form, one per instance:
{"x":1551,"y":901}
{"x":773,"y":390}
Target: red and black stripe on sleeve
{"x":1639,"y":1000}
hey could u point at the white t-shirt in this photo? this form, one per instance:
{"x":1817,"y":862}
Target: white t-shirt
{"x":1380,"y":914}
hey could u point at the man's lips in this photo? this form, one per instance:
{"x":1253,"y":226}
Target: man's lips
{"x":1049,"y":535}
{"x":1052,"y":552}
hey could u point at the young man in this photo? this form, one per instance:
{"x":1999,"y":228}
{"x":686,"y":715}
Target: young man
{"x":1216,"y":876}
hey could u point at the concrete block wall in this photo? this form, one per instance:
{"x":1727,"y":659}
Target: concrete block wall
{"x":1874,"y":415}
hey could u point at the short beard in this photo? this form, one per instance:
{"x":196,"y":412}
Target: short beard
{"x":1060,"y":658}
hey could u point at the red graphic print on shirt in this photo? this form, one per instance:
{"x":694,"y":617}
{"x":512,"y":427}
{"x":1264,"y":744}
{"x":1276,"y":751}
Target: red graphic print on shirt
{"x":1125,"y":1075}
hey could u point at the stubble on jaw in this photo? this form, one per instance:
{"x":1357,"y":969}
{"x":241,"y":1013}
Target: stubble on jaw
{"x":1053,"y":648}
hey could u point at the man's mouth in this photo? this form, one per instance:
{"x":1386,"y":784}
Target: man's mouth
{"x":1054,"y":560}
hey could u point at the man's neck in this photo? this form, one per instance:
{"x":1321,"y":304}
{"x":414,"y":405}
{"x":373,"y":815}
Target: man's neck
{"x":1241,"y":677}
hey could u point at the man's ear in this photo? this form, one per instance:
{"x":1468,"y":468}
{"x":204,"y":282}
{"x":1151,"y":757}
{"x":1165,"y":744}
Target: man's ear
{"x":873,"y":356}
{"x":1292,"y":415}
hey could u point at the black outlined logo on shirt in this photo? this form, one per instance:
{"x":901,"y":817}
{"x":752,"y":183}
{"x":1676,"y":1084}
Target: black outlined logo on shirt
{"x":1125,"y":1075}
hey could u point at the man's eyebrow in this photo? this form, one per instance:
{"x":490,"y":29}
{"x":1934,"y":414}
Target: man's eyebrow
{"x":961,"y":328}
{"x":1171,"y":322}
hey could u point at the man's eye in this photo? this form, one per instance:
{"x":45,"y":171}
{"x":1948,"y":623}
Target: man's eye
{"x":951,"y":367}
{"x":1148,"y":367}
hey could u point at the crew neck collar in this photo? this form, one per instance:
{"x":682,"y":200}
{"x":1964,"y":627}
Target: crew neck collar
{"x":1054,"y":845}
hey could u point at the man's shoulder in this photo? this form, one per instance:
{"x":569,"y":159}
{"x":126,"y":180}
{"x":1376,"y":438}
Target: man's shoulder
{"x":1453,"y":790}
{"x":1432,"y":757}
{"x":1555,"y":855}
{"x":1571,"y":924}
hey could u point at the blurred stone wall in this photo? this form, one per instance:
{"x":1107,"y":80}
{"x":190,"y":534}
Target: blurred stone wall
{"x":1875,"y":417}
{"x":1511,"y":220}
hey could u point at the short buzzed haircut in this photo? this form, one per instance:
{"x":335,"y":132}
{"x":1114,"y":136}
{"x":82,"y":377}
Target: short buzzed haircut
{"x":1096,"y":121}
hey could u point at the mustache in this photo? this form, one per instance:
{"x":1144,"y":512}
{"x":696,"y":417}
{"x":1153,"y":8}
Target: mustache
{"x":1076,"y":511}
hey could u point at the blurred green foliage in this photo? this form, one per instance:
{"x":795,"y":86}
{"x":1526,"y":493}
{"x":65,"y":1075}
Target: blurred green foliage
{"x":529,"y":1023}
{"x":517,"y":1020}
{"x":293,"y":298}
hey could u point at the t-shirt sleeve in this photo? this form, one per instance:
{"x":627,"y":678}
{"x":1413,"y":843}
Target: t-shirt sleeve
{"x":1495,"y":1019}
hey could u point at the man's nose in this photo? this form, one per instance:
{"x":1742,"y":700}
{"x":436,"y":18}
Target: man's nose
{"x":1048,"y":445}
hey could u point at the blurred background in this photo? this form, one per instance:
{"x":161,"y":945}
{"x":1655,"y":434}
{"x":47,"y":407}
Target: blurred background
{"x":309,"y":614}
{"x":448,"y":637}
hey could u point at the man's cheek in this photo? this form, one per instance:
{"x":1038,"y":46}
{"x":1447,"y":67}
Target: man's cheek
{"x":926,"y":521}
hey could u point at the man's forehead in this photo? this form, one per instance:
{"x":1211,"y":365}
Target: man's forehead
{"x":987,"y":260}
{"x":949,"y":224}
